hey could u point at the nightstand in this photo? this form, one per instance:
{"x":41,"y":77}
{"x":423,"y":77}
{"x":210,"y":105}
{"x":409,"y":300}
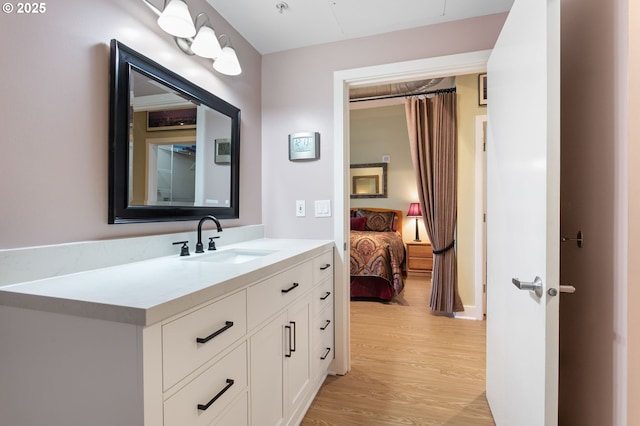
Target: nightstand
{"x":419,"y":258}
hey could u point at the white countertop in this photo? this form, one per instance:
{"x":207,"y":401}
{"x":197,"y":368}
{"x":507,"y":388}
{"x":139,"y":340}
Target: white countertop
{"x":149,"y":291}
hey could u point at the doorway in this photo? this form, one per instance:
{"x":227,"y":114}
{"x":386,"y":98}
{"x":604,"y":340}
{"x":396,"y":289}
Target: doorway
{"x":467,"y":63}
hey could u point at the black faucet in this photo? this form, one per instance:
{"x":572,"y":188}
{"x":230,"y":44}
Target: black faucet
{"x":199,"y":246}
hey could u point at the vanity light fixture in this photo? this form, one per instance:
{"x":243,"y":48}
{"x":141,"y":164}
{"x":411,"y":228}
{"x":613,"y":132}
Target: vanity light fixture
{"x":196,"y":39}
{"x":176,"y":20}
{"x":227,"y":63}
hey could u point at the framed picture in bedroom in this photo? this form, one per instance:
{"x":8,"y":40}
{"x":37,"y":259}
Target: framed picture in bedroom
{"x":482,"y":89}
{"x":368,"y":180}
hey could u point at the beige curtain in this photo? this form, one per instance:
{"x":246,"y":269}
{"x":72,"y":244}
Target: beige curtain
{"x":433,"y":137}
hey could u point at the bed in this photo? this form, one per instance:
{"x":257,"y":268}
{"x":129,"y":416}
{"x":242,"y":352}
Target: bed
{"x":377,"y":253}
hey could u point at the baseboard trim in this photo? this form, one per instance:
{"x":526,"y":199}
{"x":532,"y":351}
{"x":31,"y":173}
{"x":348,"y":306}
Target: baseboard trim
{"x":470,"y":313}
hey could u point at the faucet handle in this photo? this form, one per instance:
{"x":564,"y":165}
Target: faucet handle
{"x":184,"y":250}
{"x":212,"y":244}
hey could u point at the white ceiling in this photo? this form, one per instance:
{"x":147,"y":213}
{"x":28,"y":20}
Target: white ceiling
{"x":311,"y":22}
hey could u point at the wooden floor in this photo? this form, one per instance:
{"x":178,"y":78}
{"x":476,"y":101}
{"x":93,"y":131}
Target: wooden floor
{"x":408,"y":367}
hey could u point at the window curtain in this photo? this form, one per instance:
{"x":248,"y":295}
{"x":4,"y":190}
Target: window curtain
{"x":433,"y":136}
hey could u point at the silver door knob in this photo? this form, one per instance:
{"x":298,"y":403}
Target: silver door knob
{"x":535,"y":286}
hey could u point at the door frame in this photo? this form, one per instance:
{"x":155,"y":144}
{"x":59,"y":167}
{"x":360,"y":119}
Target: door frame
{"x":443,"y":66}
{"x":480,"y":231}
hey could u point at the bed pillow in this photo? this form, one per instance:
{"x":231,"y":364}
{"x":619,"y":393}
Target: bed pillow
{"x":377,"y":221}
{"x":358,"y":223}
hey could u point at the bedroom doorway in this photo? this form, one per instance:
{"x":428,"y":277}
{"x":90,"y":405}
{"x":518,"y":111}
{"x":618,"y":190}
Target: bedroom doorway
{"x":468,"y":63}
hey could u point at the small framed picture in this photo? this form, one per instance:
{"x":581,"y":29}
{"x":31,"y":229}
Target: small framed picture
{"x":223,"y":151}
{"x":171,"y":119}
{"x":304,"y":146}
{"x":482,"y":89}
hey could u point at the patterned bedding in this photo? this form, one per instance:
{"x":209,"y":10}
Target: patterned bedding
{"x":376,"y":264}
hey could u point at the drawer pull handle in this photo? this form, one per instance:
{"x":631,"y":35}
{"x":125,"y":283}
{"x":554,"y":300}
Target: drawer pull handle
{"x":227,"y":325}
{"x":326,"y":266}
{"x":324,"y":327}
{"x":326,"y":354}
{"x":287,"y":290}
{"x":325,"y":296}
{"x":208,"y":404}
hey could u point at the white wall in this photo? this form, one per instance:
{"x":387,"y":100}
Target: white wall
{"x":298,"y":96}
{"x":54,"y":117}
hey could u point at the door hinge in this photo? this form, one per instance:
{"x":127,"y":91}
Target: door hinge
{"x":484,"y":146}
{"x":484,"y":288}
{"x":345,"y":246}
{"x":484,"y":217}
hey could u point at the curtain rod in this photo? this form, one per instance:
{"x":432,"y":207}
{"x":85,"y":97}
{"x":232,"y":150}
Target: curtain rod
{"x":432,"y":92}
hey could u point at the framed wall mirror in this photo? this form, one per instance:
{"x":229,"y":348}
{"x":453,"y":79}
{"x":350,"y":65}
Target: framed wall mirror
{"x":368,"y":180}
{"x":166,"y":159}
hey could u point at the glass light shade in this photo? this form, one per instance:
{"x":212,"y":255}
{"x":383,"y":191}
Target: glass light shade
{"x":206,"y":43}
{"x":414,"y":210}
{"x":176,"y":20}
{"x":227,"y":63}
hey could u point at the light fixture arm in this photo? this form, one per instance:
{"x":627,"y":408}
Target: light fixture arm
{"x":153,"y":7}
{"x":206,"y":20}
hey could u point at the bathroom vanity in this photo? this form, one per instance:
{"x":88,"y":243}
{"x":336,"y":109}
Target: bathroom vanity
{"x":238,"y":336}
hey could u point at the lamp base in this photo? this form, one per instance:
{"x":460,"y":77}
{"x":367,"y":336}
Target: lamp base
{"x":417,"y":240}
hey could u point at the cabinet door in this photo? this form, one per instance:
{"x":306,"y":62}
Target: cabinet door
{"x":267,"y":374}
{"x":298,"y":368}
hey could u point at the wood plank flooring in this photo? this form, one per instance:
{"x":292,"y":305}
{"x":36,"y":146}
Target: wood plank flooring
{"x":409,"y":367}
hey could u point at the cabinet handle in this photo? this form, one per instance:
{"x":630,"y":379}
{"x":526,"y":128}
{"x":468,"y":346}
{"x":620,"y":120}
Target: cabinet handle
{"x":325,"y":296}
{"x":326,"y":265}
{"x":293,"y":323}
{"x":289,"y":348}
{"x":287,"y":290}
{"x":324,"y":327}
{"x":219,"y":394}
{"x":326,"y":354}
{"x":227,"y":325}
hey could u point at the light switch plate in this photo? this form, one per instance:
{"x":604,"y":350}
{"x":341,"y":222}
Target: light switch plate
{"x":323,"y":208}
{"x":300,"y":208}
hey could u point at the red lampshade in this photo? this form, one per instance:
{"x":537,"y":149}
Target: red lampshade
{"x":414,"y":210}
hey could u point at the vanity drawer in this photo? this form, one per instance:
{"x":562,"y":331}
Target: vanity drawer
{"x":218,"y":325}
{"x":322,"y":296}
{"x":323,"y":347}
{"x":269,"y":296}
{"x":323,"y":266}
{"x":225,"y":379}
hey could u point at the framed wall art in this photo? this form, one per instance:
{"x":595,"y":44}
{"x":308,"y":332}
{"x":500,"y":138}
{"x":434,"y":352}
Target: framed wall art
{"x":171,"y":119}
{"x":482,"y":89}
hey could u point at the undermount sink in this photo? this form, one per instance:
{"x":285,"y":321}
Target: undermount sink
{"x":233,"y":256}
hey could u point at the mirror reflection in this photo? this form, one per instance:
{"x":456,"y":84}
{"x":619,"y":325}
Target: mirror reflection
{"x":175,"y":149}
{"x":368,"y":180}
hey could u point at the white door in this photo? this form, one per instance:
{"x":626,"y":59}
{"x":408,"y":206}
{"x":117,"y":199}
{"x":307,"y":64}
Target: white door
{"x":523,"y":215}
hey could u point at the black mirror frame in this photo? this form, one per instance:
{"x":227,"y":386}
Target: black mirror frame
{"x":122,"y":60}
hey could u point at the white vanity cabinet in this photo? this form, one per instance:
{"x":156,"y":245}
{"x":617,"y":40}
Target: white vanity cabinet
{"x":285,"y":374}
{"x":256,"y":354}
